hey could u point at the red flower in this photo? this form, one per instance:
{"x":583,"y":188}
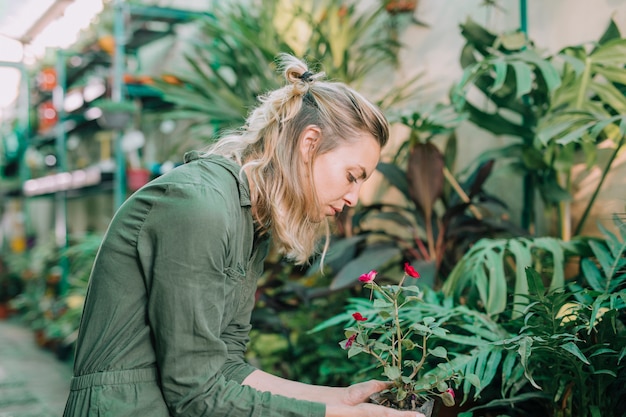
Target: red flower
{"x":358,"y":317}
{"x":450,"y":391}
{"x":369,"y":277}
{"x":350,"y":341}
{"x":410,"y":271}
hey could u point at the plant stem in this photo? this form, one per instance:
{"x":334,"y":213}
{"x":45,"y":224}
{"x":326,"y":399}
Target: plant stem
{"x":417,"y":368}
{"x":396,"y":317}
{"x":375,"y":355}
{"x":605,"y":172}
{"x":454,"y":183}
{"x":564,"y":178}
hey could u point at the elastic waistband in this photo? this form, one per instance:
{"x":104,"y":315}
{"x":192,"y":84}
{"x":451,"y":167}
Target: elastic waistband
{"x":128,"y":376}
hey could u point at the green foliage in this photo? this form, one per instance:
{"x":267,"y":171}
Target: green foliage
{"x":573,"y":351}
{"x":232,"y":61}
{"x":43,"y":304}
{"x":555,"y":106}
{"x":557,"y":347}
{"x":493,"y":270}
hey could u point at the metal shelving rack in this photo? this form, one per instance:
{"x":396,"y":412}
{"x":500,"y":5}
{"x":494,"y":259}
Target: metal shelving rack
{"x":130,"y":34}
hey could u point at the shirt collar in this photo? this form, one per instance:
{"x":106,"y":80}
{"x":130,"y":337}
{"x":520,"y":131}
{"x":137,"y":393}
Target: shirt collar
{"x":232,"y":167}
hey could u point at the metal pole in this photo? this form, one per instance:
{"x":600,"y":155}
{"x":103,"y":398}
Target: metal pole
{"x":523,"y":17}
{"x":60,"y":197}
{"x":117,"y":94}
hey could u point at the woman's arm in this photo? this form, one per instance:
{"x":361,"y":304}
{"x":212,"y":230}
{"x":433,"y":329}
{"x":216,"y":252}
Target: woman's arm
{"x":344,"y":402}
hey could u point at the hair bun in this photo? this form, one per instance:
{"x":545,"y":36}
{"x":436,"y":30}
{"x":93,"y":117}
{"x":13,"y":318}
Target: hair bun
{"x":307,"y":76}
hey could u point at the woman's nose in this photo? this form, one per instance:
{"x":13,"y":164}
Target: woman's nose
{"x":352,"y":197}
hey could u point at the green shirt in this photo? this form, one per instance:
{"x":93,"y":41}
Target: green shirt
{"x":167,"y":314}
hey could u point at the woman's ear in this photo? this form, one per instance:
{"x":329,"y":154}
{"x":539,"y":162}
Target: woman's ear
{"x":310,"y":139}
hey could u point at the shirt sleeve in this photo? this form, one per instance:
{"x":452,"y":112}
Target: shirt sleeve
{"x":183,"y":246}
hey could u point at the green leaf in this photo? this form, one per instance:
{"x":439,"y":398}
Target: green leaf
{"x":500,"y":68}
{"x":524,"y":350}
{"x":610,"y":95}
{"x":473,"y":379}
{"x":576,"y":135}
{"x":381,"y":304}
{"x":523,"y":78}
{"x":421,"y":329}
{"x":392,"y":372}
{"x":553,"y":246}
{"x":535,"y":283}
{"x":439,"y":331}
{"x":354,"y":350}
{"x":549,"y":132}
{"x":339,"y":251}
{"x":496,"y":301}
{"x":574,"y":350}
{"x":604,"y":257}
{"x":611,"y":53}
{"x":612,"y":74}
{"x":522,"y":256}
{"x":465,"y":340}
{"x":439,"y":352}
{"x":605,"y":372}
{"x":547,"y":71}
{"x":373,"y":257}
{"x":395,"y":176}
{"x":491,"y":367}
{"x":408,"y":344}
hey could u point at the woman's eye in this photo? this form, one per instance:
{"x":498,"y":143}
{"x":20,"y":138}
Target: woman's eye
{"x":351,"y":178}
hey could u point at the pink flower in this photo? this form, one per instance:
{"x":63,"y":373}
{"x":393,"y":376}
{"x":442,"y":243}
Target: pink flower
{"x":369,"y":277}
{"x":450,"y":391}
{"x":359,"y":317}
{"x":350,"y":341}
{"x":410,"y":271}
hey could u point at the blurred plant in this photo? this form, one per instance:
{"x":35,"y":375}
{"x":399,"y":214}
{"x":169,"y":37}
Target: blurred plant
{"x":232,"y":61}
{"x":553,"y":105}
{"x":38,"y":271}
{"x":63,"y":326}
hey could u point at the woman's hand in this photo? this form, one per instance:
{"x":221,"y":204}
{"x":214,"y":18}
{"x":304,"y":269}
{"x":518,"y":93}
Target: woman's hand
{"x":355,"y":403}
{"x":360,"y":393}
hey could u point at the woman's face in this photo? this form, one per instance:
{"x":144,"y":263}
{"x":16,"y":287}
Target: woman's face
{"x":339,"y":174}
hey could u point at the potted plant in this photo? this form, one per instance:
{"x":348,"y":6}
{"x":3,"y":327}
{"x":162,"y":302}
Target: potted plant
{"x":402,"y":349}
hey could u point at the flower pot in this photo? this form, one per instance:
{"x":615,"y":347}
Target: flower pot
{"x":400,"y":6}
{"x":426,"y":407}
{"x":4,"y":310}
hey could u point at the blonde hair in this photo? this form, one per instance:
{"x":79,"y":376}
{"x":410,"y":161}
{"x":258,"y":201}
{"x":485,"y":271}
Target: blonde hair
{"x":284,"y":201}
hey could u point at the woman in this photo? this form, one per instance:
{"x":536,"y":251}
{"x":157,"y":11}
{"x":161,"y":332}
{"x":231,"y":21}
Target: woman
{"x":167,"y":314}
